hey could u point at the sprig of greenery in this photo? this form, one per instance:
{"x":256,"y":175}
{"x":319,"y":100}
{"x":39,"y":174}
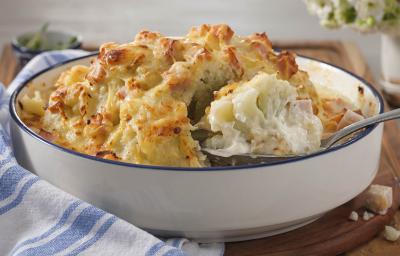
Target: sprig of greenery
{"x":39,"y":41}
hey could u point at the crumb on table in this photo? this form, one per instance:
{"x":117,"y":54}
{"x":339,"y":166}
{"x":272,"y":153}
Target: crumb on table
{"x":353,"y":216}
{"x":391,"y":234}
{"x":379,"y":199}
{"x":368,"y":215}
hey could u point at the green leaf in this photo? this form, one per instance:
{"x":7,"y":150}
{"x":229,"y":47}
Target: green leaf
{"x":349,"y":15}
{"x":37,"y":41}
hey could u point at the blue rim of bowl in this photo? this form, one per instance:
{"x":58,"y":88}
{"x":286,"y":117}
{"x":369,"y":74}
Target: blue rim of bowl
{"x":25,"y":128}
{"x":22,"y":49}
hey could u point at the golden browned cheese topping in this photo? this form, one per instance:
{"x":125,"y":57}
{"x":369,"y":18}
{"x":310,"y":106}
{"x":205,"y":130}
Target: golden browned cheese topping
{"x":137,"y":102}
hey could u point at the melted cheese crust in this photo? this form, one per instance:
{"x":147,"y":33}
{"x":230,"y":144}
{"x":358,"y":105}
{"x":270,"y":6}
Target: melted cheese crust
{"x":137,"y":102}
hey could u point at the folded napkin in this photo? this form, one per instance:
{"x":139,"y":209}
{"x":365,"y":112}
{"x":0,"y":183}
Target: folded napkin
{"x":37,"y":218}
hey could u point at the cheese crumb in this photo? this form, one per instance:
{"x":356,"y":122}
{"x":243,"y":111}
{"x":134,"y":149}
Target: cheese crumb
{"x":353,"y":216}
{"x":379,"y":199}
{"x":368,"y":215}
{"x":391,"y":234}
{"x":33,"y":105}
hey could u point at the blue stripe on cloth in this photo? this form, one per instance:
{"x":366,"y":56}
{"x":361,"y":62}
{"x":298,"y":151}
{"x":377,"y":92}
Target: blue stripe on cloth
{"x":174,"y":252}
{"x":176,"y":242}
{"x":4,"y":101}
{"x":56,"y":227}
{"x":4,"y":142}
{"x":78,"y":229}
{"x":20,"y":196}
{"x":4,"y":98}
{"x":154,"y":249}
{"x":24,"y":75}
{"x":57,"y":57}
{"x":102,"y":230}
{"x":46,"y":59}
{"x":10,"y":180}
{"x":5,"y":161}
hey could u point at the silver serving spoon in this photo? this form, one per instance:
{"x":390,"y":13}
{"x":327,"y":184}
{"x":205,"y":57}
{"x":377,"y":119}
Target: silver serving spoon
{"x":325,"y":143}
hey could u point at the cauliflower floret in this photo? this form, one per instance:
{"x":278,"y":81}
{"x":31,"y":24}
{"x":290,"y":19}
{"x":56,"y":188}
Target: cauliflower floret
{"x":263,"y":116}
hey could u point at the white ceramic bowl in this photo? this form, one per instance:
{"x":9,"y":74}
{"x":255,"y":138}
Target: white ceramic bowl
{"x":220,"y":203}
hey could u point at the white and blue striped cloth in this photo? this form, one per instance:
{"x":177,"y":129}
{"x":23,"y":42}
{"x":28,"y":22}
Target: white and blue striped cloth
{"x":37,"y":218}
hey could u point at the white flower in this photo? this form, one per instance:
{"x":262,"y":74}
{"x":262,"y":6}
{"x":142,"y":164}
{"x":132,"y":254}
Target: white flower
{"x":362,"y":15}
{"x":370,"y":8}
{"x":321,"y":8}
{"x":323,"y":13}
{"x":336,"y":3}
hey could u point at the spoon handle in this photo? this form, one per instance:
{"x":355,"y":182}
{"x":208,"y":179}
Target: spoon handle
{"x":393,"y":114}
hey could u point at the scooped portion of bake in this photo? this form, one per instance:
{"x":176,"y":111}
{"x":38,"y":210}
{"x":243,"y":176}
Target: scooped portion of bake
{"x":262,"y":116}
{"x":140,"y":102}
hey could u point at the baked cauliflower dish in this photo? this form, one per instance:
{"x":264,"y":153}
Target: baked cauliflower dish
{"x":163,"y":101}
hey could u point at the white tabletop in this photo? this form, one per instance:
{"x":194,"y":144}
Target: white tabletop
{"x":119,"y":20}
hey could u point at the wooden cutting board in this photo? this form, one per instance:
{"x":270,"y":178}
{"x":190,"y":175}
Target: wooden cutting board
{"x":332,"y":234}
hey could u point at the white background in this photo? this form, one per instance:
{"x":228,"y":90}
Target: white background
{"x":119,"y":20}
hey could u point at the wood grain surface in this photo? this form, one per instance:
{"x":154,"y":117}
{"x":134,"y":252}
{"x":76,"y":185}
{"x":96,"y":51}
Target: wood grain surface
{"x":332,"y":234}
